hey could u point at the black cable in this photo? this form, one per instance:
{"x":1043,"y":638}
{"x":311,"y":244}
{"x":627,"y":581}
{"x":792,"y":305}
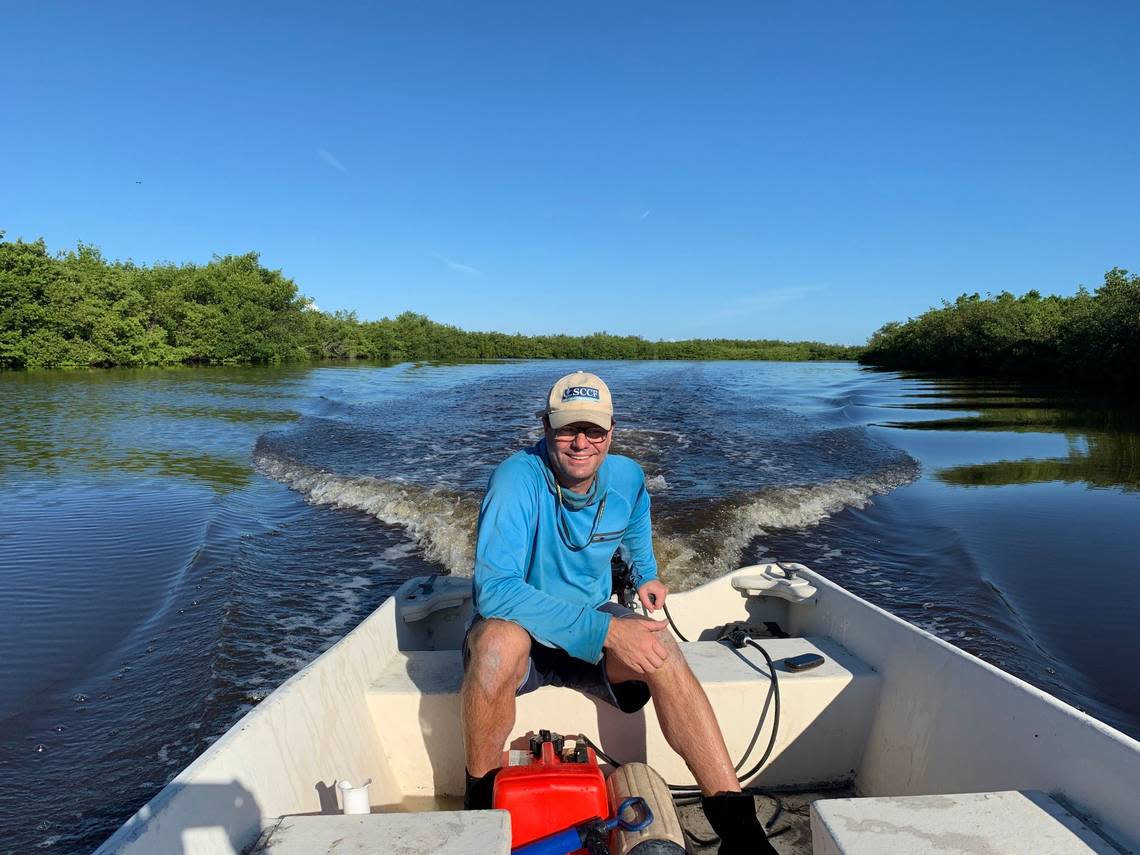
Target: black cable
{"x":773,"y":693}
{"x":775,"y":711}
{"x":680,"y":788}
{"x":687,"y":795}
{"x":767,"y":700}
{"x":699,"y":841}
{"x":779,"y":810}
{"x":599,"y":751}
{"x":669,"y":617}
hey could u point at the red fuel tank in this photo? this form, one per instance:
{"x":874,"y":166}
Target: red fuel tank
{"x":547,"y":789}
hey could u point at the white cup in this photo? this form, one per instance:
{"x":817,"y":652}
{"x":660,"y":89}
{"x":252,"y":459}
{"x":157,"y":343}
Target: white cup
{"x":354,"y":800}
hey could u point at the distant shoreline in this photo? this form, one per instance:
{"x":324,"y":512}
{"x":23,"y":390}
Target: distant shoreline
{"x":75,"y":309}
{"x":78,"y":310}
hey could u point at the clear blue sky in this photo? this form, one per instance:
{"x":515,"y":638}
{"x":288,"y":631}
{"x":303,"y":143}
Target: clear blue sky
{"x":756,"y":169}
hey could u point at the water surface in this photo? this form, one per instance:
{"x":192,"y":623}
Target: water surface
{"x":177,"y":542}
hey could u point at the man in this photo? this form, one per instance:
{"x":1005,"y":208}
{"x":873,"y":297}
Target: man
{"x":552,"y":518}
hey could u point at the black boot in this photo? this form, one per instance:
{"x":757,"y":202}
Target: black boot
{"x":477,"y":794}
{"x":733,"y":818}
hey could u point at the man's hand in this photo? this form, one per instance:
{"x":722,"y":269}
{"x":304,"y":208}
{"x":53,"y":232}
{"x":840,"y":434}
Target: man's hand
{"x":633,"y":642}
{"x":652,"y":595}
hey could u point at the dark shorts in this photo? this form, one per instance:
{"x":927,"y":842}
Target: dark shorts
{"x":551,"y":666}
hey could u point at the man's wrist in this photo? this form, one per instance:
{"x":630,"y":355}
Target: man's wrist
{"x":608,"y":639}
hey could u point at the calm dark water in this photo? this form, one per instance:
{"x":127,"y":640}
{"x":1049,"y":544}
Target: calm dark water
{"x":176,"y":543}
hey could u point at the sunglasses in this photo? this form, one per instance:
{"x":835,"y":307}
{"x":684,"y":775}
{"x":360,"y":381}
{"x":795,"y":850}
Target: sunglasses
{"x":569,"y":434}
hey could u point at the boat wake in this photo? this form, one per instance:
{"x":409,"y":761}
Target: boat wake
{"x":695,"y":540}
{"x":440,"y":521}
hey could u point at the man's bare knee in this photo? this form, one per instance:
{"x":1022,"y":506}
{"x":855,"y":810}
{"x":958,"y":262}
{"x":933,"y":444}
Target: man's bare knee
{"x":500,"y":655}
{"x":674,"y":665}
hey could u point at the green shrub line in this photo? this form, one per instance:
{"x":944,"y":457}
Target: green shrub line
{"x":1088,"y":339}
{"x":76,"y":309}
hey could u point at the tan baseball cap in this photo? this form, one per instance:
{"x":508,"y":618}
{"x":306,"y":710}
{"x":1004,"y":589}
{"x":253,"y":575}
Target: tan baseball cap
{"x":579,"y":397}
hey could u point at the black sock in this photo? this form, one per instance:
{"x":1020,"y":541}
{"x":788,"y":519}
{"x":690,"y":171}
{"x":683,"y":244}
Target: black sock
{"x":478,"y":791}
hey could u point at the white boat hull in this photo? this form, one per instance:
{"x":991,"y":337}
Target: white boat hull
{"x":896,"y":712}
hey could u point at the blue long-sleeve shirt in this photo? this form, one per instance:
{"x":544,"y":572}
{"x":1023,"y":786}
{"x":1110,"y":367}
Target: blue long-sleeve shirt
{"x":528,"y":568}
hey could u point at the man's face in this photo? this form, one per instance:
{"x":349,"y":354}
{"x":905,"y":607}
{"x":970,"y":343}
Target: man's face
{"x":575,"y":457}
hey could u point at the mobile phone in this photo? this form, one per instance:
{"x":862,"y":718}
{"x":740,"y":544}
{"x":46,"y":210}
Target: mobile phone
{"x":803,"y":662}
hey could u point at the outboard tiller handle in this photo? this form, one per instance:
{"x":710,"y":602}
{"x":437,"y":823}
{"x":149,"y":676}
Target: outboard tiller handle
{"x":593,"y":836}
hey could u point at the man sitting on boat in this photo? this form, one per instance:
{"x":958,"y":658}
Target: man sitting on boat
{"x":551,"y":520}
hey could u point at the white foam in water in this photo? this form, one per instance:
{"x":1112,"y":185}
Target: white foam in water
{"x":394,"y":554}
{"x":801,"y":507}
{"x":783,"y":508}
{"x":641,"y":438}
{"x":442,"y":523}
{"x":656,"y":484}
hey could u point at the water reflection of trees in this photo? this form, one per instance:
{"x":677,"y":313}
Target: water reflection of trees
{"x":1103,"y":439}
{"x":1101,"y":460}
{"x":218,"y":473}
{"x":154,"y":423}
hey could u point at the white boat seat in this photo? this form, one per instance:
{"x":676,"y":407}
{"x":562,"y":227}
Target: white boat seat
{"x":438,"y":832}
{"x":1002,"y":823}
{"x":826,"y":715}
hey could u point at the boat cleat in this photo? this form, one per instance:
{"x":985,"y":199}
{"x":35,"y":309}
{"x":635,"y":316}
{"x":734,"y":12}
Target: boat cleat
{"x":774,"y":580}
